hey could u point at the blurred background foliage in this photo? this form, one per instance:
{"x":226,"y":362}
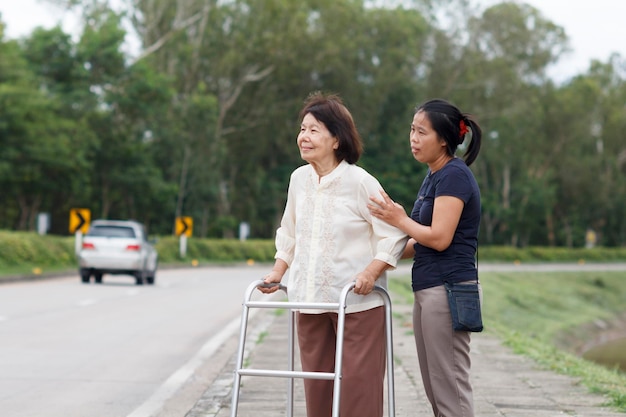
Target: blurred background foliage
{"x":201,"y":121}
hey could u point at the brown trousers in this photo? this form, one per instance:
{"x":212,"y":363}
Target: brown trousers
{"x":363,"y":362}
{"x":443,"y":354}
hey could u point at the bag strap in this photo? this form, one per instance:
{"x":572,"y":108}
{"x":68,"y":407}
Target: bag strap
{"x":477,"y":261}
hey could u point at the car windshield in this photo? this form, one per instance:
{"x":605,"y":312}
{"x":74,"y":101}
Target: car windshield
{"x":112,"y":231}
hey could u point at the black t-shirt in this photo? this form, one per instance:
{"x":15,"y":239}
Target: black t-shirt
{"x":457,"y":263}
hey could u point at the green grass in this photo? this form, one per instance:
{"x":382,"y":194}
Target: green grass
{"x":532,"y":311}
{"x":262,"y":336}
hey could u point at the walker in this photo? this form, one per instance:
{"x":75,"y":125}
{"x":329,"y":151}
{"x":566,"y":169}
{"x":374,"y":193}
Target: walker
{"x":290,"y":373}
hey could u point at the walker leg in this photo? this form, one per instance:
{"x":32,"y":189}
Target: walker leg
{"x":391,"y":400}
{"x":290,"y":382}
{"x":240,"y":353}
{"x":341,"y":323}
{"x":241,"y":349}
{"x":339,"y":350}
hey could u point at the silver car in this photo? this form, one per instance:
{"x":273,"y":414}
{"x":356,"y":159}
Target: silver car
{"x":117,"y":247}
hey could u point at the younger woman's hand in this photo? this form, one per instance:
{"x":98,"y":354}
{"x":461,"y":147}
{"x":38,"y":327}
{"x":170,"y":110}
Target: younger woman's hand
{"x":386,"y":209}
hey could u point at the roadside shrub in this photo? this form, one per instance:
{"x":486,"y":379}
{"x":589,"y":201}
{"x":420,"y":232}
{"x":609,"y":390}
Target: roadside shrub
{"x":17,"y":248}
{"x":550,"y":254}
{"x":216,"y":250}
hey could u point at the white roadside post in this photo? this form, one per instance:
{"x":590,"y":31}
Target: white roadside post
{"x":244,"y":231}
{"x":183,"y":245}
{"x":78,"y":241}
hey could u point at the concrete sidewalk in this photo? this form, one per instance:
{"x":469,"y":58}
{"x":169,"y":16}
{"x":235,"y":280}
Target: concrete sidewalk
{"x":504,"y":384}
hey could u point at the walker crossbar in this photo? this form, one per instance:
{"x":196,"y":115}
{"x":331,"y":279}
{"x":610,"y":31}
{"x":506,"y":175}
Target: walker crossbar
{"x":287,"y":374}
{"x":291,"y":373}
{"x":288,"y":305}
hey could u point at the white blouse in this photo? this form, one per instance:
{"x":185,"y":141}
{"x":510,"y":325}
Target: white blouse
{"x":327,"y":236}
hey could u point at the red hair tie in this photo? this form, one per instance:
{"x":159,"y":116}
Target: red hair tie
{"x":463,"y":128}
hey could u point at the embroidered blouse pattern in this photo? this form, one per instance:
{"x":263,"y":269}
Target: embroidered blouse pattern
{"x":327,"y":236}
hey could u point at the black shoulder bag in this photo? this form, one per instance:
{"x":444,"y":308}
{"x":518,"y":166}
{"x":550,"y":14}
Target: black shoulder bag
{"x":464,"y":301}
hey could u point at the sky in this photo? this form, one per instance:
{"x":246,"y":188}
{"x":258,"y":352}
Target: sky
{"x":595,"y":28}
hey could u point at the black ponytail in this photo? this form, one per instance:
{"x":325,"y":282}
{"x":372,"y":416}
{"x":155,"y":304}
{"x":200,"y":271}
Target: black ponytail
{"x":473,"y":148}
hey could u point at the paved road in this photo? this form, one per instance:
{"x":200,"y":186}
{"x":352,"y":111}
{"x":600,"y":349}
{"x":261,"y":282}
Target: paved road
{"x":505,"y":384}
{"x":69,"y":349}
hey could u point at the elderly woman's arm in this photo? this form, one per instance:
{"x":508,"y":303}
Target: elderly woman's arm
{"x":366,"y":279}
{"x":274,"y":276}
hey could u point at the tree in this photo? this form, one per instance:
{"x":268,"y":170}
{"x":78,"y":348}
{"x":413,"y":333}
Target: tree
{"x":42,"y":153}
{"x":513,"y":45}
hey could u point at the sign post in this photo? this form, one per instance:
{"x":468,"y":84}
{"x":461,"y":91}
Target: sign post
{"x":79,"y":224}
{"x":183,"y":227}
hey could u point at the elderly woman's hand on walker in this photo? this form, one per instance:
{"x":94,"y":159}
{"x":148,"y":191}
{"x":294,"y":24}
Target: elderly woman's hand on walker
{"x":271,"y":281}
{"x":364,"y":283}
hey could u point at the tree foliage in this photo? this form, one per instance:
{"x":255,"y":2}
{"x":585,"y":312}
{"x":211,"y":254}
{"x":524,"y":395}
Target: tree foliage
{"x":202,"y":120}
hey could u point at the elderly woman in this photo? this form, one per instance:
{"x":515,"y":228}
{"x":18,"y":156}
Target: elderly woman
{"x":328,"y":239}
